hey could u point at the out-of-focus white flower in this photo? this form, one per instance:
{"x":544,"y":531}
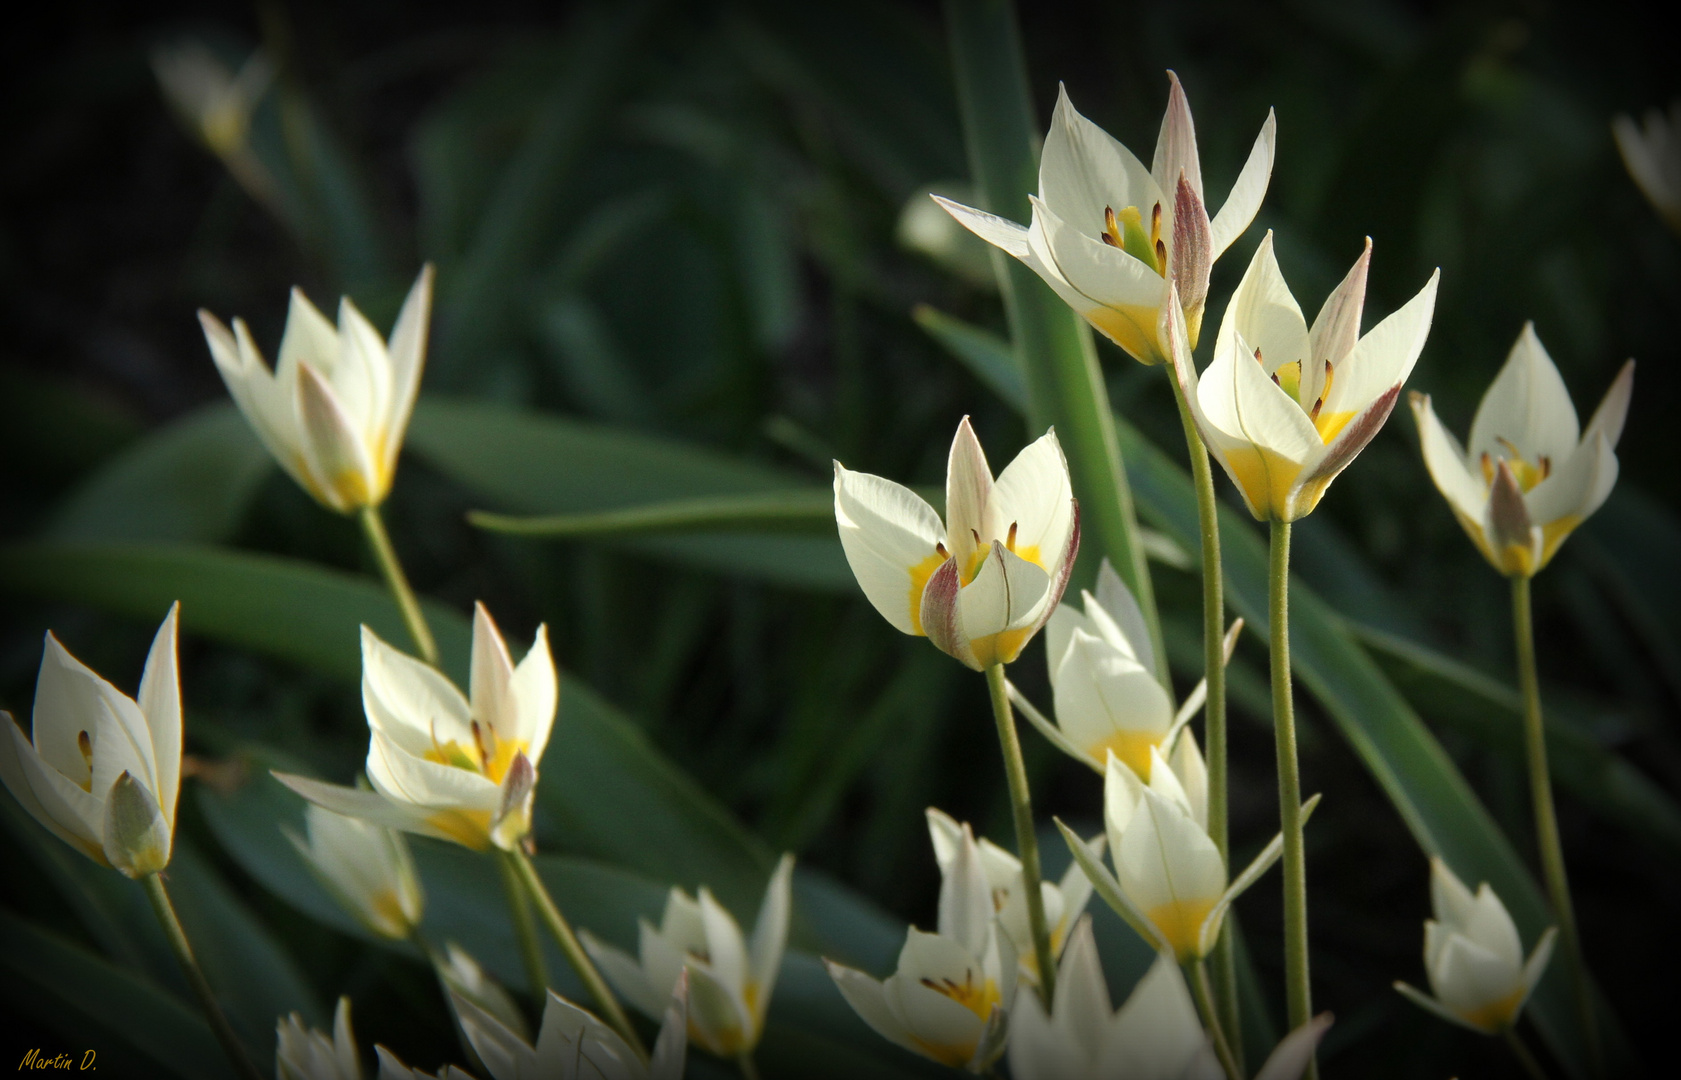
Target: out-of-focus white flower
{"x":1653,"y":157}
{"x":1109,"y":235}
{"x":303,"y":1053}
{"x":924,"y":227}
{"x":1064,"y":901}
{"x":980,"y":585}
{"x":1531,"y":475}
{"x":1473,"y":957}
{"x":730,"y":980}
{"x":463,"y":977}
{"x":213,"y":100}
{"x":1169,"y":882}
{"x":951,"y":996}
{"x":103,"y":770}
{"x":366,"y":867}
{"x":572,"y":1044}
{"x":1285,"y":408}
{"x":334,"y":410}
{"x":443,"y":765}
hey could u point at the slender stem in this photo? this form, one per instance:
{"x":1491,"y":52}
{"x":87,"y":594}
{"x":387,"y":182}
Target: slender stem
{"x":195,"y":977}
{"x":1525,"y":1056}
{"x":1298,"y":993}
{"x":1546,"y":820}
{"x":525,"y":932}
{"x":392,"y":570}
{"x":1027,"y":843}
{"x":1214,"y":715}
{"x":611,"y":1010}
{"x":749,"y":1070}
{"x":1211,"y":1020}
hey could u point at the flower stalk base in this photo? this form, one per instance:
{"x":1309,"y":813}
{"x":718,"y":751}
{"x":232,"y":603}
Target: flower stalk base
{"x":1027,"y":842}
{"x":379,"y":541}
{"x":183,"y":949}
{"x":1298,"y":992}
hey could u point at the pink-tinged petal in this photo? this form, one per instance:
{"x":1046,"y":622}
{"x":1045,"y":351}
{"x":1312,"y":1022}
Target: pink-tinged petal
{"x":1613,"y":408}
{"x":1176,"y":144}
{"x":970,"y":520}
{"x":338,"y":462}
{"x":1342,"y":451}
{"x":939,"y":614}
{"x":1508,"y":517}
{"x":1526,"y":408}
{"x":1244,"y":201}
{"x":160,"y":703}
{"x":1191,"y":255}
{"x":1336,"y":328}
{"x":1379,"y":361}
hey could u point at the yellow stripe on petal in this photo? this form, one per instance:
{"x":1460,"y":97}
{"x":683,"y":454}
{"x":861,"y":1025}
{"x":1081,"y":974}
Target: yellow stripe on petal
{"x":469,"y":828}
{"x":920,"y":573}
{"x":1180,"y":922}
{"x":1000,"y":648}
{"x":1132,"y":327}
{"x":1131,"y":747}
{"x":1330,"y":424}
{"x":1553,"y":534}
{"x":1265,"y":477}
{"x":1496,"y":1016}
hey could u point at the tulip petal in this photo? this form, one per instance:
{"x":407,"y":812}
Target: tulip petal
{"x":1436,"y":1008}
{"x":1116,"y":602}
{"x":1059,"y":633}
{"x":970,"y":521}
{"x":160,"y":704}
{"x":334,"y":451}
{"x":1247,"y":194}
{"x":400,"y":694}
{"x":1082,"y":1005}
{"x":1116,"y":292}
{"x":1613,"y":408}
{"x":1264,"y":315}
{"x":1176,"y":143}
{"x":1290,"y":1057}
{"x":1336,"y":329}
{"x":1526,"y":408}
{"x":407,"y":352}
{"x":1034,"y":495}
{"x":1491,"y":927}
{"x":939,"y":617}
{"x":1577,"y":487}
{"x":66,"y":810}
{"x":1445,"y":460}
{"x":362,"y":378}
{"x":965,"y":912}
{"x":725,"y":949}
{"x":70,"y":698}
{"x":1536,"y":965}
{"x":770,"y":933}
{"x":1001,"y":608}
{"x":671,"y":1046}
{"x":1107,"y":701}
{"x":1190,"y":259}
{"x":536,"y":693}
{"x":1471,"y":980}
{"x":1452,"y":902}
{"x":405,"y":777}
{"x":491,"y":671}
{"x":1189,"y":769}
{"x":1509,"y":523}
{"x":1104,"y":884}
{"x":869,"y":1001}
{"x":254,"y":389}
{"x":1157,"y":1031}
{"x":310,"y":337}
{"x":1001,"y":233}
{"x":889,"y":535}
{"x":1084,"y":170}
{"x":625,"y":973}
{"x":363,"y":804}
{"x":1380,"y":361}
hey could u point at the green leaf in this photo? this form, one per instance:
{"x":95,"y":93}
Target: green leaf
{"x":1421,"y":781}
{"x":1065,"y":386}
{"x":998,"y":371}
{"x":94,"y":1002}
{"x":190,"y":481}
{"x":801,"y":509}
{"x":533,"y":463}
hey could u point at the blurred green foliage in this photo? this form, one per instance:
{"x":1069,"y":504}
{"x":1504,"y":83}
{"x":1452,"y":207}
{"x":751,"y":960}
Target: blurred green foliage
{"x":666,"y":237}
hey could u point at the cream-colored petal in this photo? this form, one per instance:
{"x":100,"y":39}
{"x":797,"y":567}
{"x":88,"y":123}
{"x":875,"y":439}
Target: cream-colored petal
{"x":970,"y":520}
{"x":869,"y":1001}
{"x":1118,"y":615}
{"x":1040,"y":1050}
{"x":409,"y":700}
{"x":70,"y":698}
{"x":965,"y":911}
{"x":1451,"y":901}
{"x":1536,"y":965}
{"x":1001,"y":233}
{"x":625,"y":974}
{"x":1008,"y":594}
{"x":309,"y":337}
{"x":671,"y":1046}
{"x":335,"y":453}
{"x":939,"y":1024}
{"x":1290,"y":1057}
{"x":1156,"y":1032}
{"x":363,"y":804}
{"x":1470,"y":979}
{"x":535,"y":689}
{"x":1105,"y":276}
{"x":1082,"y":1009}
{"x":1576,"y":488}
{"x":407,"y":352}
{"x":1059,"y":633}
{"x":1191,"y":771}
{"x":136,"y":838}
{"x":726,"y":949}
{"x":1164,"y":858}
{"x":1491,"y":927}
{"x":362,"y":378}
{"x":1084,"y":171}
{"x":1264,"y":315}
{"x":489,"y":693}
{"x":1034,"y":495}
{"x":889,"y":534}
{"x":1464,"y":491}
{"x":1383,"y":358}
{"x":67,"y":811}
{"x":160,"y":704}
{"x":404,"y":777}
{"x":1246,"y":196}
{"x":1106,"y":700}
{"x":1527,"y":407}
{"x":1613,"y":408}
{"x":770,"y":934}
{"x":1122,"y":792}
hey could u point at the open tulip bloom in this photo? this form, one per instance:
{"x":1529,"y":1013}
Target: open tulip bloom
{"x":1155,"y":1035}
{"x":334,"y":409}
{"x":1474,"y":959}
{"x":1064,"y":901}
{"x":1530,"y":474}
{"x":1284,"y":407}
{"x":572,"y":1044}
{"x":980,"y":585}
{"x":445,"y":765}
{"x":1108,"y":234}
{"x":1652,"y":153}
{"x":1106,"y":695}
{"x":1169,"y":882}
{"x":303,"y":1053}
{"x":730,"y":979}
{"x":951,"y":996}
{"x":366,"y":867}
{"x":104,"y":769}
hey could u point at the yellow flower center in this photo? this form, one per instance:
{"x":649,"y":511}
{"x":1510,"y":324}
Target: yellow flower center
{"x":1180,"y":922}
{"x":1288,"y":377}
{"x":1527,"y":475}
{"x":487,"y":755}
{"x":1496,"y":1016}
{"x":1125,"y":230}
{"x":1132,"y":747}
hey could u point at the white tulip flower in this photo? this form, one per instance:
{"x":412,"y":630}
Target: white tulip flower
{"x":103,"y":770}
{"x":444,"y":765}
{"x":334,"y":409}
{"x":1285,"y":408}
{"x":980,"y":585}
{"x":1108,"y":235}
{"x":1155,"y":1035}
{"x":1653,"y":158}
{"x":1064,"y":901}
{"x":1474,"y":958}
{"x":366,"y":867}
{"x":730,"y":980}
{"x":1530,"y":476}
{"x":572,"y":1044}
{"x":211,"y":98}
{"x":303,"y":1053}
{"x":464,"y":978}
{"x":951,"y":996}
{"x":1169,"y":882}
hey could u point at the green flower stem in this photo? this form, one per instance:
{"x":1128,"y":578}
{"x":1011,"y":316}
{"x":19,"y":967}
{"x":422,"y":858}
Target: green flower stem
{"x":749,"y":1070}
{"x":525,"y":932}
{"x":1211,"y":1019}
{"x":1214,"y":714}
{"x":1298,"y":993}
{"x":183,"y":949}
{"x":1546,"y":820}
{"x":611,"y":1010}
{"x":392,"y":570}
{"x":1027,"y":843}
{"x":1525,"y":1056}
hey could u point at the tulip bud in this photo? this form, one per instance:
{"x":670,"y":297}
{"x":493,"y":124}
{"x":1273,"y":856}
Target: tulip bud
{"x":137,"y":838}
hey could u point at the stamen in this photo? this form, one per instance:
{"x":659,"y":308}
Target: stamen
{"x":1546,"y":466}
{"x":976,"y":534}
{"x":1111,"y":229}
{"x":86,"y":746}
{"x":940,"y":549}
{"x":1156,"y":226}
{"x":1258,"y":359}
{"x":1161,"y":257}
{"x":1488,"y":468}
{"x":1010,"y":542}
{"x":478,"y":743}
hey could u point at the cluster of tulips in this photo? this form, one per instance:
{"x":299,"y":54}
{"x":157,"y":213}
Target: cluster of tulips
{"x":1010,"y":970}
